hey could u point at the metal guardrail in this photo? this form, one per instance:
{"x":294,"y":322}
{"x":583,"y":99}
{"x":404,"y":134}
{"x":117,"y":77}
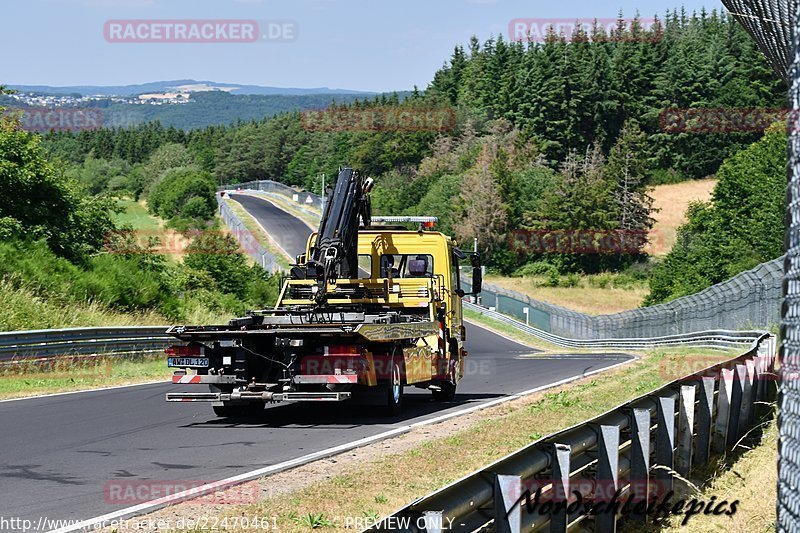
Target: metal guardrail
{"x":634,"y":451}
{"x":699,"y":339}
{"x":82,"y":341}
{"x":126,"y":339}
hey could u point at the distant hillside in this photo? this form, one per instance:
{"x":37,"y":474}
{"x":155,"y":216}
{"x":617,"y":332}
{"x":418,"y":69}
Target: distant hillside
{"x":190,"y":85}
{"x":203,"y":109}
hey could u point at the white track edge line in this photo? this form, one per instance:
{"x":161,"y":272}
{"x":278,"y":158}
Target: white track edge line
{"x":154,"y":505}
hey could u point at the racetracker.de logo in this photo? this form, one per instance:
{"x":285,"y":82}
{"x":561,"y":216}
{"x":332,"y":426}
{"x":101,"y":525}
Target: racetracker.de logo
{"x":198,"y":31}
{"x":725,"y":120}
{"x":579,"y":241}
{"x":380,"y":119}
{"x":536,"y":30}
{"x":46,"y":119}
{"x":135,"y":491}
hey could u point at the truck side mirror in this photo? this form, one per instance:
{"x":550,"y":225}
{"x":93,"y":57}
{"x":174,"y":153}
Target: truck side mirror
{"x":477,"y":280}
{"x":300,"y":259}
{"x":477,"y":273}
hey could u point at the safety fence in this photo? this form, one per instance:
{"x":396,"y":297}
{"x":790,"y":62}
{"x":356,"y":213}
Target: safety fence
{"x":297,"y":196}
{"x":246,"y":240}
{"x":751,"y":299}
{"x":633,"y":453}
{"x":82,"y":341}
{"x":723,"y":339}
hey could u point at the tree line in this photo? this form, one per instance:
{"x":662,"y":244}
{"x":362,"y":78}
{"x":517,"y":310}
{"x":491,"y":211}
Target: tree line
{"x":560,"y":135}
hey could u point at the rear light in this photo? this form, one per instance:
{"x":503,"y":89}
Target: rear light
{"x":184,"y":351}
{"x":343,"y":350}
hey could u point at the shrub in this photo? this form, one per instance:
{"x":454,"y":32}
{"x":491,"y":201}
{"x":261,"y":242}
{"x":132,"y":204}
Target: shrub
{"x":41,"y":203}
{"x":741,"y":227}
{"x":218,"y":255}
{"x":536,"y":268}
{"x":184,"y":193}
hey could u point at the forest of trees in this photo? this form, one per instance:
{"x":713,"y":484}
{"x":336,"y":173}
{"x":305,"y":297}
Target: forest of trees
{"x":559,"y":135}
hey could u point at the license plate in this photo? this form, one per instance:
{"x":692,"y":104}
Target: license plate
{"x":188,"y":362}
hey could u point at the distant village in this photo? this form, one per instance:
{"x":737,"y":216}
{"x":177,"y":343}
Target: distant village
{"x":45,"y":100}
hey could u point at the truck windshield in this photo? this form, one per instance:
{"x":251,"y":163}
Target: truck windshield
{"x":407,"y":266}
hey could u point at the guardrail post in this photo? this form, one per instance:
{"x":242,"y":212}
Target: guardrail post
{"x":705,"y":410}
{"x":723,"y":410}
{"x":607,"y":476}
{"x":683,"y":462}
{"x":560,"y":462}
{"x":640,"y":459}
{"x":665,"y":443}
{"x":758,"y":382}
{"x":507,"y":506}
{"x":771,"y":388}
{"x":748,"y":398}
{"x":739,"y":377}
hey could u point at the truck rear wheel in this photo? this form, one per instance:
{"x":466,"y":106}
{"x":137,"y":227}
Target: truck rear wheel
{"x":239,"y":411}
{"x":447,"y":388}
{"x":394,"y":392}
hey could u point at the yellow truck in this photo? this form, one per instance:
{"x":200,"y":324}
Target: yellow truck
{"x":372,"y":306}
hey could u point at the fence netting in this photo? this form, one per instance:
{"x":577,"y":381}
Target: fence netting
{"x":769,"y":23}
{"x":774,"y":26}
{"x":750,"y":300}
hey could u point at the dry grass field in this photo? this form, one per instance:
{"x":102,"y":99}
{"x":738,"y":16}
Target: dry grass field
{"x":672,"y":202}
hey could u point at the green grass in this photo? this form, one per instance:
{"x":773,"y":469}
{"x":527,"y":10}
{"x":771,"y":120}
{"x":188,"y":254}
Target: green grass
{"x":597,"y":294}
{"x":27,"y":379}
{"x":22,"y":309}
{"x":136,"y":216}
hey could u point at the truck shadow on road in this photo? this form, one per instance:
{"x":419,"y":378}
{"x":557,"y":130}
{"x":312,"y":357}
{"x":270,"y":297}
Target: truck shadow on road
{"x":324,"y":416}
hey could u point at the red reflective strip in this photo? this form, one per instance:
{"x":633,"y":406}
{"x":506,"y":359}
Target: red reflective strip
{"x":342,"y":378}
{"x":183,"y":380}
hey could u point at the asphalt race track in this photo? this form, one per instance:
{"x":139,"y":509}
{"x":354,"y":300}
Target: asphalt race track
{"x":288,"y":231}
{"x":60,"y":453}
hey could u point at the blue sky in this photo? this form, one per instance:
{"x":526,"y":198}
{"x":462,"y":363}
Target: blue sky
{"x":373,"y":45}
